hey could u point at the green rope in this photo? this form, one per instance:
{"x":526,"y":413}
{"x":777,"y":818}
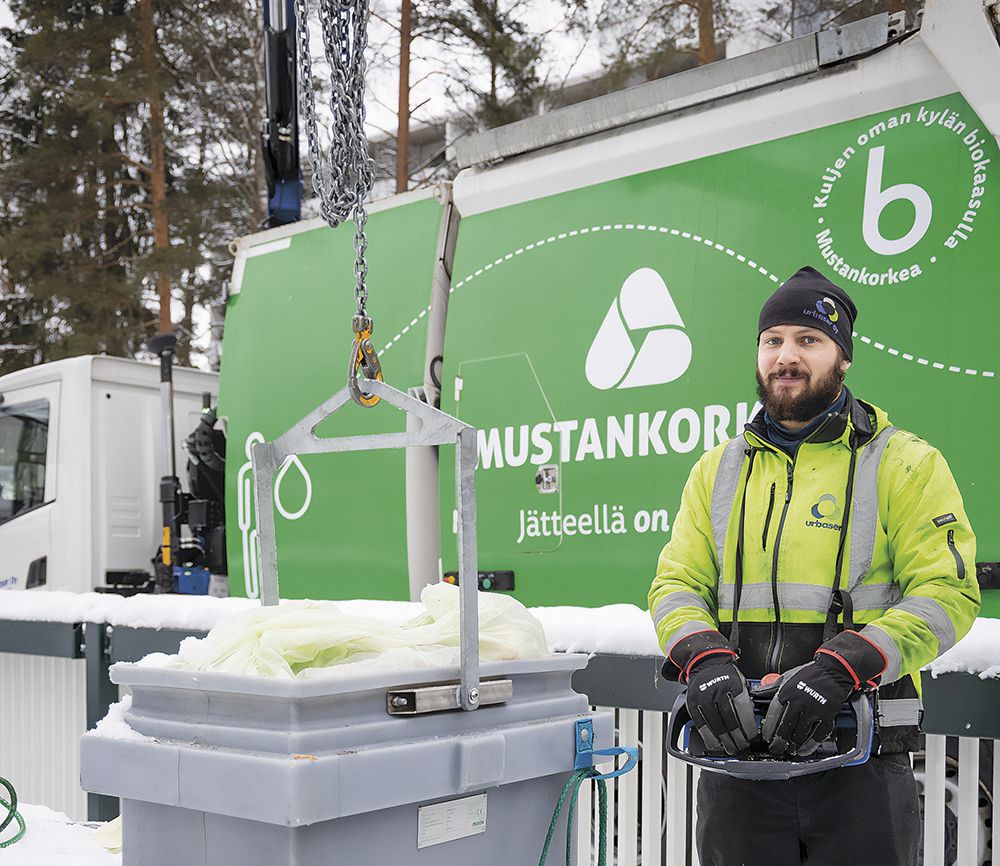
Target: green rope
{"x":12,"y":813}
{"x":572,"y":789}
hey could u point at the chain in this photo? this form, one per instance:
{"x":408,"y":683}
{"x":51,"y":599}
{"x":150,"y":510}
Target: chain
{"x":344,"y":180}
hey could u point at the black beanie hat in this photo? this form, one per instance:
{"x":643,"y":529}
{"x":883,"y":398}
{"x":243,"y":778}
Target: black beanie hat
{"x":808,"y":298}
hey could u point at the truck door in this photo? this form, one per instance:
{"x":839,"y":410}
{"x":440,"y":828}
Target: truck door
{"x":27,"y":484}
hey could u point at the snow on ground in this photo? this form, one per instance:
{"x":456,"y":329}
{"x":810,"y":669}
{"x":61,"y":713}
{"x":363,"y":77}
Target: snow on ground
{"x":51,"y":839}
{"x":617,"y":629}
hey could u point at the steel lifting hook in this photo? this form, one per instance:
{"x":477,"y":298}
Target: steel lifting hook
{"x":363,"y":358}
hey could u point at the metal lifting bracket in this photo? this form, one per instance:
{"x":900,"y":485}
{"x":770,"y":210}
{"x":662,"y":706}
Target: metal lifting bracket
{"x":837,"y":44}
{"x":437,"y":428}
{"x":434,"y":699}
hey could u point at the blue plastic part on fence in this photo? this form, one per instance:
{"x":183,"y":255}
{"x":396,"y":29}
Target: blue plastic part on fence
{"x":585,"y":751}
{"x":584,"y":744}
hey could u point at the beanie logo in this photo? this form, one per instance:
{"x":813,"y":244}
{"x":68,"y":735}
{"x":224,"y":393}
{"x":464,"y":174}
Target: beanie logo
{"x":824,"y":317}
{"x":832,"y":313}
{"x":643,"y":304}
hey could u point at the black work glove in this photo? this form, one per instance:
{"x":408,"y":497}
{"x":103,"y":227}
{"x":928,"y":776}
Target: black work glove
{"x":719,"y":704}
{"x":802,"y":713}
{"x":718,"y":699}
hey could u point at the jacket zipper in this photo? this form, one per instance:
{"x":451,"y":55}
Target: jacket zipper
{"x":767,"y":520}
{"x":776,"y":651}
{"x":959,"y":562}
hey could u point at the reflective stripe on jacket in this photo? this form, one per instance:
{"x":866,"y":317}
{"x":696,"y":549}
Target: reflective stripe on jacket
{"x":908,"y":559}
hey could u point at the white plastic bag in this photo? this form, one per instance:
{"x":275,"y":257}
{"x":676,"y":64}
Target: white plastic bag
{"x":506,"y":629}
{"x":315,"y":638}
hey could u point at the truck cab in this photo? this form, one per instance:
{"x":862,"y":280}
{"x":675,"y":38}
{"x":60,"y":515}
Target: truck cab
{"x":81,"y":456}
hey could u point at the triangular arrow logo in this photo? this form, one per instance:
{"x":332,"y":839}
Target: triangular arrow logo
{"x":644,"y":304}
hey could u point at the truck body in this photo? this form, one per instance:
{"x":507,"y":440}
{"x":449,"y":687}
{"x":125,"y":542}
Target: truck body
{"x":81,"y":456}
{"x":610,"y":263}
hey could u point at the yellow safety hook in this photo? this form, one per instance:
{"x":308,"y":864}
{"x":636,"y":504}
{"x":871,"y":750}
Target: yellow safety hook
{"x":363,"y":359}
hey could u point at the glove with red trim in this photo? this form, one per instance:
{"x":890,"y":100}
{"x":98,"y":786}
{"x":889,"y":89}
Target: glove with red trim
{"x":718,"y":699}
{"x":802,"y":713}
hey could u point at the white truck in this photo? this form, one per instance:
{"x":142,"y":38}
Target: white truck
{"x":82,"y":452}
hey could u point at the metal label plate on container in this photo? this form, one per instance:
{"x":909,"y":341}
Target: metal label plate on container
{"x":455,"y":819}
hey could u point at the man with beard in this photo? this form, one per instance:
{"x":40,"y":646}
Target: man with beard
{"x":830,"y":548}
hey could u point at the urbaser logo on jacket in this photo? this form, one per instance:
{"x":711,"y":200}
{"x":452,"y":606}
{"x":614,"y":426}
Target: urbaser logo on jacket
{"x":825,"y":512}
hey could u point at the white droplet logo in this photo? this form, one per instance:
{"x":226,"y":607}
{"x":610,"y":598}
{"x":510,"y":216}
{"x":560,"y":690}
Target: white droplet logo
{"x":644,"y":303}
{"x":288,"y":463}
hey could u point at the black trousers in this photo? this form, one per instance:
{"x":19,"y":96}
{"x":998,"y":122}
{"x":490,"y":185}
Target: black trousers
{"x":853,"y":816}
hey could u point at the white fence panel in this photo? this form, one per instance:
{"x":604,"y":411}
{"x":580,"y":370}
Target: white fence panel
{"x":43,"y":713}
{"x":648,"y":812}
{"x":677,"y":813}
{"x":655,"y":825}
{"x":627,"y":789}
{"x":968,"y":801}
{"x":934,"y":796}
{"x":651,"y":789}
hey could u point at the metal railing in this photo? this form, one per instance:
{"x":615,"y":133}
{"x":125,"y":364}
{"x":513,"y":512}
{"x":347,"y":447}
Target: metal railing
{"x":651,"y":810}
{"x":54,"y":685}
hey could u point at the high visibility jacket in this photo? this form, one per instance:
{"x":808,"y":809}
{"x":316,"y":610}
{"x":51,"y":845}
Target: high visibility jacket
{"x":766,"y":529}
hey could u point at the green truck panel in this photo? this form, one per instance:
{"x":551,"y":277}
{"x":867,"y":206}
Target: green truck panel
{"x":632,"y":307}
{"x":341,"y":529}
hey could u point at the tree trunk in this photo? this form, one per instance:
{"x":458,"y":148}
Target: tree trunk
{"x":157,"y":156}
{"x":403,"y":133}
{"x":706,"y":32}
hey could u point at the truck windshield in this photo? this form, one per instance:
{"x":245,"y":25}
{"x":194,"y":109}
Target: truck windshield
{"x":24,"y":435}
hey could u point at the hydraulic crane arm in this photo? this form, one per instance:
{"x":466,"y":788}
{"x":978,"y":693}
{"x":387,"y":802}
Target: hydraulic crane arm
{"x":280,"y":135}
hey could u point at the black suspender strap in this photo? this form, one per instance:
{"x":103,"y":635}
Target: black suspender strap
{"x":840,"y":601}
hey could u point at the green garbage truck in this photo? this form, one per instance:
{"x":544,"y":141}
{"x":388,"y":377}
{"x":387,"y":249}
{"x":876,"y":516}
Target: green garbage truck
{"x":583,"y":294}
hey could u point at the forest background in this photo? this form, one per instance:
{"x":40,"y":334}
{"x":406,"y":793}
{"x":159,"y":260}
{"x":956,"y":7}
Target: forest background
{"x":130,"y":133}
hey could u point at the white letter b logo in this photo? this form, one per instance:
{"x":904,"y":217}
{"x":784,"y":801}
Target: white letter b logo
{"x":876,"y":200}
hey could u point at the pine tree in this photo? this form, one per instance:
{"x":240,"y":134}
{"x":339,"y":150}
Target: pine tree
{"x":74,"y":193}
{"x":211,"y":53}
{"x":656,"y":37}
{"x":112,"y":130}
{"x":493,"y":55}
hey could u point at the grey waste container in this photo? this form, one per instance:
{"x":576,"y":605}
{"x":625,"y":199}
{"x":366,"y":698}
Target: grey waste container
{"x":224,"y":769}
